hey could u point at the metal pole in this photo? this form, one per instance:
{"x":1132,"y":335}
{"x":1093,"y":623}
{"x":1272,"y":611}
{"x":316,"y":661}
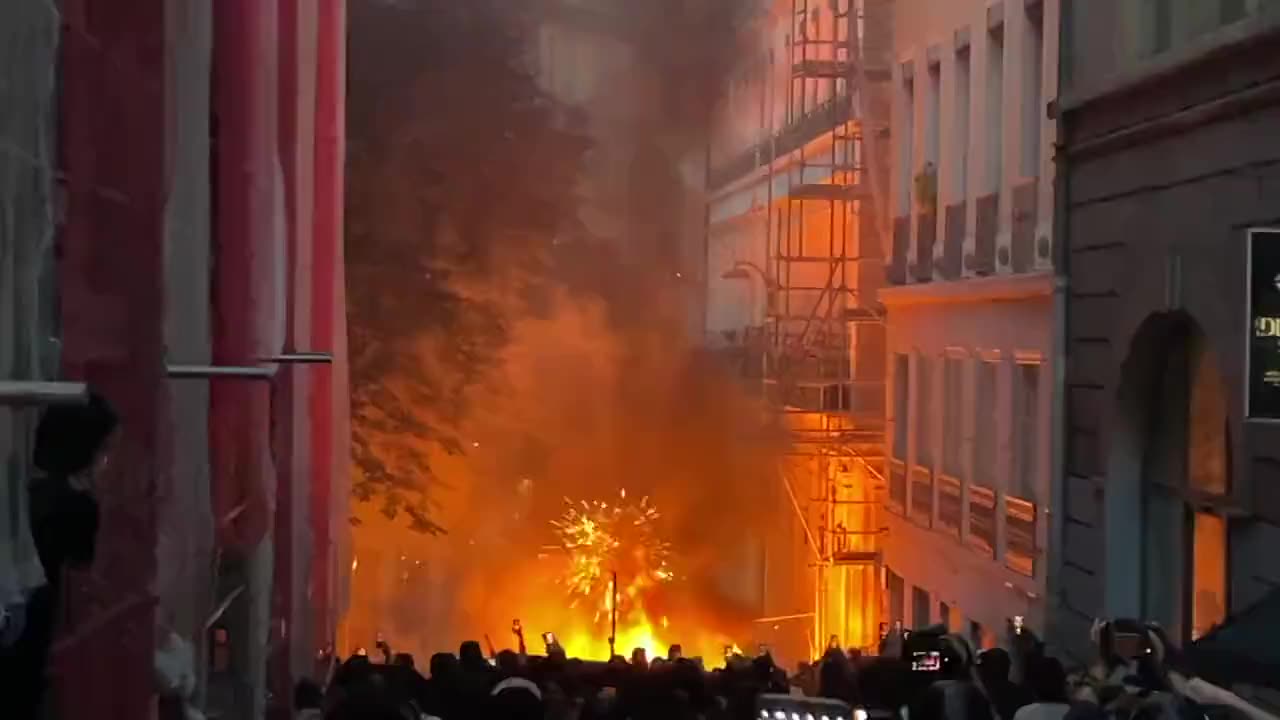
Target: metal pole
{"x":613,"y":616}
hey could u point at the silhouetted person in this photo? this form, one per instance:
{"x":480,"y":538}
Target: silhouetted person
{"x":63,"y":517}
{"x":308,"y":699}
{"x":1047,"y":682}
{"x":993,"y":671}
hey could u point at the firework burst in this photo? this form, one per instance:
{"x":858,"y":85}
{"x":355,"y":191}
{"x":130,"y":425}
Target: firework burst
{"x":601,"y":538}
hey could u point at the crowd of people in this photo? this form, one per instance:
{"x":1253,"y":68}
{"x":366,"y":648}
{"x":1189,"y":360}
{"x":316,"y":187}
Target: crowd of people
{"x":923,"y":675}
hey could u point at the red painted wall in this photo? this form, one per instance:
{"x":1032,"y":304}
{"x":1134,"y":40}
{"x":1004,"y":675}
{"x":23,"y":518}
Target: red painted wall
{"x":245,"y":103}
{"x":112,"y":157}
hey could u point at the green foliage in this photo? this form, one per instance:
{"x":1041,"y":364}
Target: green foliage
{"x":460,"y":175}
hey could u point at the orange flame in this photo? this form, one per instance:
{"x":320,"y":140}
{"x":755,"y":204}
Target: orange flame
{"x":600,"y":539}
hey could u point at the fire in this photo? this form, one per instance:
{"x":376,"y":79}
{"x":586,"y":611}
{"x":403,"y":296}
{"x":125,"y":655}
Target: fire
{"x":604,"y":540}
{"x":601,"y":540}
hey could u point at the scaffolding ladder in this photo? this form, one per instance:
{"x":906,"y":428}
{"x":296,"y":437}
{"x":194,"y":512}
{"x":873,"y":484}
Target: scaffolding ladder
{"x":825,"y":362}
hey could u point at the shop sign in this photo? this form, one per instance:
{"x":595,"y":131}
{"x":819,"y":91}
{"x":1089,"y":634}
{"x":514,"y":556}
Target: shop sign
{"x":1262,"y":401}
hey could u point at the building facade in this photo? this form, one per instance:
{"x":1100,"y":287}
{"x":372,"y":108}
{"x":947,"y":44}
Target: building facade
{"x":971,"y":312}
{"x":178,"y":219}
{"x":1169,"y":160}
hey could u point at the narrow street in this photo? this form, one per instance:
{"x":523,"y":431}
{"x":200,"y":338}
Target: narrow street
{"x":631,"y":359}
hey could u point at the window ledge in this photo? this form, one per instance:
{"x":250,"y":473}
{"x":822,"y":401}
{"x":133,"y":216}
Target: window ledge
{"x":1019,"y":286}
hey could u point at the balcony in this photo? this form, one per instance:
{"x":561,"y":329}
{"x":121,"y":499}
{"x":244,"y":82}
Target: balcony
{"x":982,"y":520}
{"x":950,"y":509}
{"x":1020,"y":533}
{"x":953,"y":221}
{"x":986,"y":225}
{"x":897,"y":270}
{"x":926,"y":233}
{"x":922,"y":496}
{"x":1023,"y":222}
{"x":821,"y":119}
{"x":897,"y":486}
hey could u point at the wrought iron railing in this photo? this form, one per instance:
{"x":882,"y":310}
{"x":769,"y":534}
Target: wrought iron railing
{"x":821,"y":119}
{"x":982,"y":519}
{"x":922,"y":495}
{"x":950,"y":510}
{"x":1020,"y":536}
{"x":897,"y":486}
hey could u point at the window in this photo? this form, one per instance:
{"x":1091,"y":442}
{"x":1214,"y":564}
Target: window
{"x":897,"y":596}
{"x":919,"y":608}
{"x":1032,"y":91}
{"x":984,"y":425}
{"x":933,"y":116}
{"x":1026,"y":431}
{"x":953,"y":418}
{"x":906,"y":140}
{"x":1207,"y":465}
{"x":1208,"y":573}
{"x":960,"y":143}
{"x":995,"y":109}
{"x":901,"y":405}
{"x":924,"y":413}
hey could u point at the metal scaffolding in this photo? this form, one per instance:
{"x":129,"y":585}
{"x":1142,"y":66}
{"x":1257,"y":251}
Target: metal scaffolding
{"x":824,"y":362}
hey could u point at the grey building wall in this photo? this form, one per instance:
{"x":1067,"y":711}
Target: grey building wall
{"x":29,"y":34}
{"x":1162,"y":168}
{"x":185,"y":516}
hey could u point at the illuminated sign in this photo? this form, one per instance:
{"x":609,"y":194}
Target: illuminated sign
{"x":1262,"y":400}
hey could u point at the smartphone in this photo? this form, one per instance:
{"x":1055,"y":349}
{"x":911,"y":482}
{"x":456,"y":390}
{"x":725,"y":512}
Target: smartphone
{"x":929,"y":661}
{"x":1128,"y":645}
{"x":549,"y":639}
{"x":1017,"y":624}
{"x":515,"y":626}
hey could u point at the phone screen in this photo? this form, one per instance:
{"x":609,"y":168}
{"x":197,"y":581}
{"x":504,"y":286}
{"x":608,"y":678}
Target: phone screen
{"x":549,"y":638}
{"x":930,"y":661}
{"x":1128,"y":645}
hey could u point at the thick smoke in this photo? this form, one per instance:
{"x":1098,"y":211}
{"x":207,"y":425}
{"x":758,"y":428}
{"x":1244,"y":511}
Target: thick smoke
{"x":602,"y":382}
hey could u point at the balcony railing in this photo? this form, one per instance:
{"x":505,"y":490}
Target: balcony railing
{"x":953,"y":222}
{"x":950,"y":510}
{"x":1023,"y":224}
{"x":926,"y":234}
{"x":986,"y":225}
{"x":982,"y":519}
{"x":922,"y":495}
{"x":821,"y":119}
{"x":1020,"y":533}
{"x":897,"y":270}
{"x":897,"y":486}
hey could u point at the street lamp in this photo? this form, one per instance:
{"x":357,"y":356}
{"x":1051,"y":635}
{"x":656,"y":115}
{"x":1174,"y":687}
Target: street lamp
{"x":743,"y":270}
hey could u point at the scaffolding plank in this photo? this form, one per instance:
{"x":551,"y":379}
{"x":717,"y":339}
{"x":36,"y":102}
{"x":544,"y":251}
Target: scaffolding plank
{"x":827,"y":191}
{"x":823,"y":69}
{"x":866,"y":557}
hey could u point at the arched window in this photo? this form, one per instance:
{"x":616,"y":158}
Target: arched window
{"x":1171,"y":455}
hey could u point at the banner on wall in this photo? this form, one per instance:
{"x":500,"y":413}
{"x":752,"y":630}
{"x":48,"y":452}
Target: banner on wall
{"x":1262,"y":400}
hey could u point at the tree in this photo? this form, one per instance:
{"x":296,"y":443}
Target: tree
{"x":461,"y":173}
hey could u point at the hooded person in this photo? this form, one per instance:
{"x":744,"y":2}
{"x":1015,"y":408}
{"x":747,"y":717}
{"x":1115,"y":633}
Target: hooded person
{"x":69,"y":444}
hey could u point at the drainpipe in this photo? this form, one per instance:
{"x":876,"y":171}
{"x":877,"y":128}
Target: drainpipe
{"x":1060,"y":344}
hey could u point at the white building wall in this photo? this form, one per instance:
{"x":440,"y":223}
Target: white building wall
{"x":929,"y":32}
{"x":1004,"y":318}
